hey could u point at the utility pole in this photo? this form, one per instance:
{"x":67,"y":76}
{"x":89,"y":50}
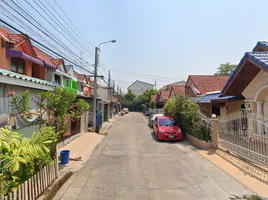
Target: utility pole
{"x":95,"y":88}
{"x":109,"y":85}
{"x":113,"y":87}
{"x":95,"y":80}
{"x":155,"y":85}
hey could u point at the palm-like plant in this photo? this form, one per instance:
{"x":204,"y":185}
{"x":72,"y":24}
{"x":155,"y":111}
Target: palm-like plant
{"x":15,"y":150}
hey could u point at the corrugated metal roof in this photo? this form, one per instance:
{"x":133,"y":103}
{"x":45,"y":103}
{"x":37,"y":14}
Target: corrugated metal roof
{"x":208,"y":98}
{"x":26,"y":78}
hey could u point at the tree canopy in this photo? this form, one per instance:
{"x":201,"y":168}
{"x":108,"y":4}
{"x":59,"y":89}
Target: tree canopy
{"x":225,"y":69}
{"x":134,"y":103}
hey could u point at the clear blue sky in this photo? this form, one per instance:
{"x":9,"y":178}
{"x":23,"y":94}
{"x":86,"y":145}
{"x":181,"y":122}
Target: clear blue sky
{"x":171,"y":38}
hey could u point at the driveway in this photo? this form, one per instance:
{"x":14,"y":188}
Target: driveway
{"x":130,"y":164}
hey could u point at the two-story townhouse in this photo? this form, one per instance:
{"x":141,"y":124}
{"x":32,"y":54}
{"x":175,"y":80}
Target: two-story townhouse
{"x":60,"y":74}
{"x":20,"y":69}
{"x":71,"y":84}
{"x":84,"y":85}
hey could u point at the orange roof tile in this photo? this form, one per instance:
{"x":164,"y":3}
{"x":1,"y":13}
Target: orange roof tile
{"x":208,"y":83}
{"x":42,"y":55}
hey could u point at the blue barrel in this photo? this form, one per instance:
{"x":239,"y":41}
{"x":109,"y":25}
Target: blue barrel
{"x":64,"y":157}
{"x":99,"y":119}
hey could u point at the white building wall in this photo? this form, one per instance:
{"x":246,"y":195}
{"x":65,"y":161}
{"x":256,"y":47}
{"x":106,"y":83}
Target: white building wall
{"x":139,"y":87}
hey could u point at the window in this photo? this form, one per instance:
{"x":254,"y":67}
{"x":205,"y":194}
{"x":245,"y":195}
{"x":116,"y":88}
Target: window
{"x":57,"y":79}
{"x":66,"y":82}
{"x":167,"y":122}
{"x":17,"y":65}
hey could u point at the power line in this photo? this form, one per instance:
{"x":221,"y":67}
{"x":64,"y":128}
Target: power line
{"x":48,"y":21}
{"x":42,"y":45}
{"x":72,"y":23}
{"x":139,"y":74}
{"x":71,"y":27}
{"x":64,"y":28}
{"x":43,"y":30}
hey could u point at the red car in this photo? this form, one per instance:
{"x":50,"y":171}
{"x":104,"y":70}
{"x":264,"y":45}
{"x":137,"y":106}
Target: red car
{"x":165,"y":128}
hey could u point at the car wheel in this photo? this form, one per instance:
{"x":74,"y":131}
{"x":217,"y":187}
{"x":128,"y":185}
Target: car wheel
{"x":157,"y":136}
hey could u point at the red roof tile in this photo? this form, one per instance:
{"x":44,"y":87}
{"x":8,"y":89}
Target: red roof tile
{"x":179,"y":90}
{"x":4,"y":31}
{"x":42,"y":55}
{"x":189,"y":92}
{"x":208,"y":83}
{"x":165,"y":95}
{"x":153,"y":97}
{"x":80,"y":76}
{"x":57,"y":62}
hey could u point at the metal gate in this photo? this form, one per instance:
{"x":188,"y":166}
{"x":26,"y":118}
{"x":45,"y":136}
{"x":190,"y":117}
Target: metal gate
{"x":245,"y":134}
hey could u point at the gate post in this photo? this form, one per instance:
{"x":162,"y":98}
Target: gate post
{"x":214,"y":132}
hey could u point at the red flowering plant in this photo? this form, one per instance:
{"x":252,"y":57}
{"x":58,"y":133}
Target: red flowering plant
{"x":10,"y":93}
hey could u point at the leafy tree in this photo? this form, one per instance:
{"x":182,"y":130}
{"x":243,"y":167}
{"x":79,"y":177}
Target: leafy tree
{"x":146,"y":95}
{"x":129,"y":96}
{"x":225,"y":69}
{"x":152,"y":104}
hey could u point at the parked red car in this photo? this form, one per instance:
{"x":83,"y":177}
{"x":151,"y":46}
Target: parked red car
{"x":165,"y":128}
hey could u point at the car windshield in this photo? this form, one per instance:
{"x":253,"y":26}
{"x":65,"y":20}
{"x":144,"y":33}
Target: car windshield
{"x":167,"y":122}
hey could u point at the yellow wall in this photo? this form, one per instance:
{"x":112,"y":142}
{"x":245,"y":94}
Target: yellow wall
{"x":260,"y":80}
{"x":231,"y":107}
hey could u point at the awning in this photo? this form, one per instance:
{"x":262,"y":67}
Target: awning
{"x":208,"y":98}
{"x":47,"y":64}
{"x":64,"y":74}
{"x":222,"y":99}
{"x":15,"y":53}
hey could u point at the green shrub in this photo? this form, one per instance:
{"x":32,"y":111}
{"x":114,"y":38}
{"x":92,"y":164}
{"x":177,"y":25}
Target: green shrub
{"x":21,"y":158}
{"x":184,"y":112}
{"x":201,"y":131}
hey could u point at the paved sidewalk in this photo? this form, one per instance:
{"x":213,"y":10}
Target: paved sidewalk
{"x":83,"y":147}
{"x":254,"y":178}
{"x":107,"y":125}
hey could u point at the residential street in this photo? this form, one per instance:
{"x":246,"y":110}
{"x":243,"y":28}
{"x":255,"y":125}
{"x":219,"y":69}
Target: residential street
{"x":130,"y":164}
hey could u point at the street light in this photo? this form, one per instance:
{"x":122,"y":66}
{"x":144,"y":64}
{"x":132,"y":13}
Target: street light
{"x":95,"y":80}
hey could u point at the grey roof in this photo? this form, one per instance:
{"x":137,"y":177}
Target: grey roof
{"x":261,"y":43}
{"x":137,"y":81}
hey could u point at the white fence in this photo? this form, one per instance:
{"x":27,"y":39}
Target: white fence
{"x":36,"y":185}
{"x":244,"y":134}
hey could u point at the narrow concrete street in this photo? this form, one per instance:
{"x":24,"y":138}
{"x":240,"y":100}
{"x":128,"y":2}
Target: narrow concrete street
{"x":130,"y":164}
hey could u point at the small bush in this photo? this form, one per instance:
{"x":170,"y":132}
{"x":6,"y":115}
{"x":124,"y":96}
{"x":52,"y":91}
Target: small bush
{"x":184,"y":112}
